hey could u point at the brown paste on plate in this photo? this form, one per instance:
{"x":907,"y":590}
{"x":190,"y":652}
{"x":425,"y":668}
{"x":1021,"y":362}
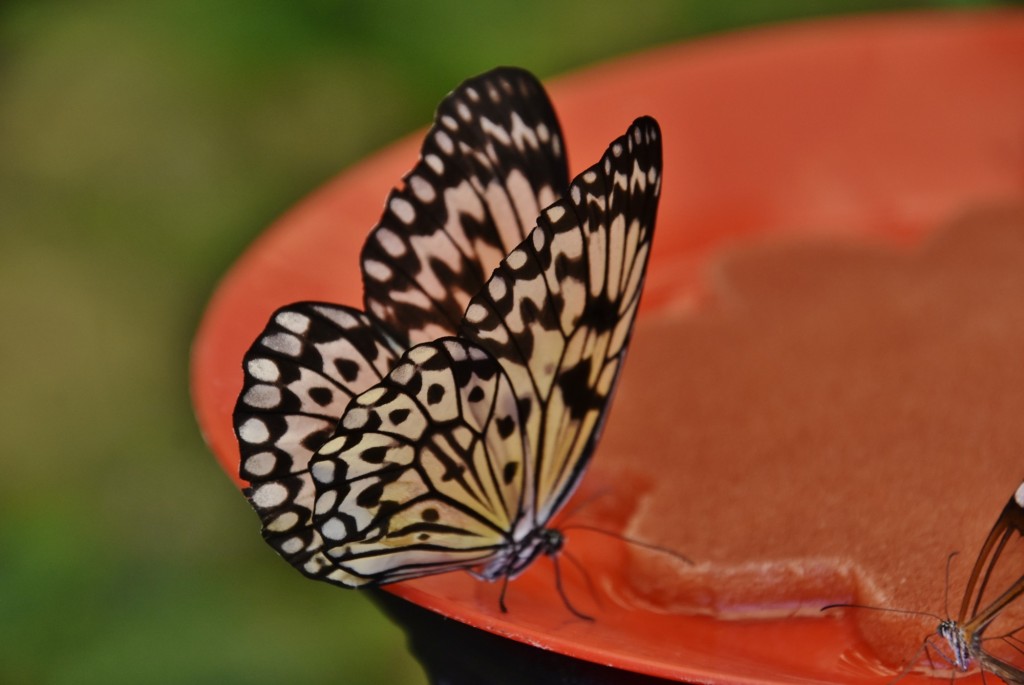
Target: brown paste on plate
{"x":835,"y":422}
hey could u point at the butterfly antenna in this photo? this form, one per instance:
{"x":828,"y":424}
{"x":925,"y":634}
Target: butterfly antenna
{"x":569,"y":513}
{"x":561,"y":592}
{"x":949,"y":564}
{"x":873,"y":608}
{"x":631,"y":541}
{"x":586,"y":576}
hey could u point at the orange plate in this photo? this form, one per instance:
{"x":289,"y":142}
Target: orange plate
{"x":881,"y":127}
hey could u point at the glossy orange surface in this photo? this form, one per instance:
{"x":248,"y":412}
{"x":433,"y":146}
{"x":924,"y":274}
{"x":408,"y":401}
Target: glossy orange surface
{"x":876,"y":127}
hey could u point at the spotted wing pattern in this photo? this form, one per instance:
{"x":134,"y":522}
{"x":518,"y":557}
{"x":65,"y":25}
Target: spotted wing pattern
{"x":493,"y":157}
{"x":299,"y":376}
{"x":472,"y":443}
{"x":426,"y":470}
{"x":559,"y":310}
{"x":492,"y":160}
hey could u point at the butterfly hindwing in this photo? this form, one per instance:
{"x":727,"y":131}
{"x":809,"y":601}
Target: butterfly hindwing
{"x":475,"y":441}
{"x":300,"y":374}
{"x":424,"y":472}
{"x":492,"y":160}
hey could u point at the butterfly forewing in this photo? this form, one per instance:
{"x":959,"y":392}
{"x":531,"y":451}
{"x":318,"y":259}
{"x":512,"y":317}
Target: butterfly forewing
{"x":460,"y":456}
{"x":299,"y":376}
{"x":559,"y":309}
{"x":492,"y":160}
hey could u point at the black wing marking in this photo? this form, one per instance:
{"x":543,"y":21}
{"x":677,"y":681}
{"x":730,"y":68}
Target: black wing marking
{"x":456,"y":458}
{"x":558,"y":311}
{"x":300,"y":374}
{"x":492,"y":160}
{"x":424,"y":473}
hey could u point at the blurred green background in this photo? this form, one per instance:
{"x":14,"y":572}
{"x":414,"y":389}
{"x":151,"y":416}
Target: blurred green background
{"x":142,"y":146}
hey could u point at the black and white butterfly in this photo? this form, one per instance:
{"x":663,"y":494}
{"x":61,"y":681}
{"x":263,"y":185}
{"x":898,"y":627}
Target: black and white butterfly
{"x":492,"y":159}
{"x":984,"y":634}
{"x":457,"y":454}
{"x":991,"y":590}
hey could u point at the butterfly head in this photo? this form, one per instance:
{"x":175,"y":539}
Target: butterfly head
{"x":551,"y":541}
{"x":954,"y":635}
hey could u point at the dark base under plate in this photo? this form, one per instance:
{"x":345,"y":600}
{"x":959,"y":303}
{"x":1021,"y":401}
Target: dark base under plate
{"x":454,"y":653}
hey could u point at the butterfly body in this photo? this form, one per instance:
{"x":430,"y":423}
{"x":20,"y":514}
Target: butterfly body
{"x":979,"y":611}
{"x":959,"y":645}
{"x":517,"y":555}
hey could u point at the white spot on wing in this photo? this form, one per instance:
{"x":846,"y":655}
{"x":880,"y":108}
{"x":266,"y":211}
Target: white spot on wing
{"x":269,"y":495}
{"x":422,"y":189}
{"x":291,"y":545}
{"x":262,"y":396}
{"x":283,"y":343}
{"x":263,"y":370}
{"x":378,"y":271}
{"x":444,"y":142}
{"x":293,"y":321}
{"x":435,"y":163}
{"x":403,"y":210}
{"x":341,"y":317}
{"x":323,"y":471}
{"x":517,"y":259}
{"x":497,"y":288}
{"x":260,"y":464}
{"x":333,"y":529}
{"x":1018,"y":496}
{"x":355,"y":418}
{"x":254,"y":432}
{"x":285,"y":521}
{"x":390,"y":241}
{"x":476,"y":313}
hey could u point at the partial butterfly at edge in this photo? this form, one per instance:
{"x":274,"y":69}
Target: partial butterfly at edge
{"x":984,"y":603}
{"x":979,"y":611}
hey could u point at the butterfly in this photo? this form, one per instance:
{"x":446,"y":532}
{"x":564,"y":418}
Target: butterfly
{"x":456,"y":454}
{"x":992,"y":588}
{"x":982,"y":605}
{"x":461,"y":456}
{"x":491,"y":160}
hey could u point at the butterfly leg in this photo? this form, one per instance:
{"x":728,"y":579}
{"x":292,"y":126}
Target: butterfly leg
{"x":929,"y":647}
{"x":586,"y":576}
{"x":561,"y":592}
{"x":501,"y":597}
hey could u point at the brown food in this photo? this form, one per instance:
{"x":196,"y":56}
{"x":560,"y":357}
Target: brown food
{"x":830,"y":428}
